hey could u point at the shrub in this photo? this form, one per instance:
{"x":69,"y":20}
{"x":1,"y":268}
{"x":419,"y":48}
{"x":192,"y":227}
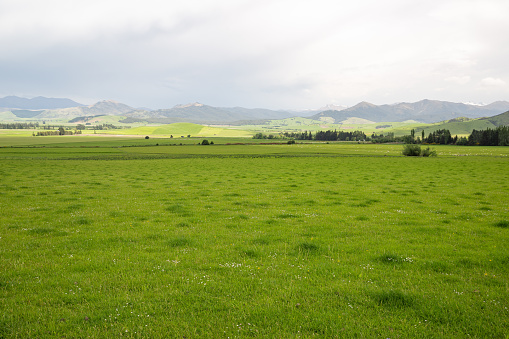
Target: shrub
{"x":411,"y":150}
{"x":290,"y":142}
{"x":147,"y":137}
{"x":205,"y":142}
{"x":428,"y":152}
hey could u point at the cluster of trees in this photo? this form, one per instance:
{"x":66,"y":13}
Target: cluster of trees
{"x":102,"y":127}
{"x":99,"y":127}
{"x":299,"y":135}
{"x":20,"y":125}
{"x":329,"y":135}
{"x":340,"y":136}
{"x":441,"y":137}
{"x":60,"y":131}
{"x":263,"y":136}
{"x":490,"y":137}
{"x":382,"y":139}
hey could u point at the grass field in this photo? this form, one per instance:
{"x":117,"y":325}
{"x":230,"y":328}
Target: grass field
{"x":306,"y":124}
{"x":328,"y":240}
{"x":181,"y":129}
{"x":274,"y":127}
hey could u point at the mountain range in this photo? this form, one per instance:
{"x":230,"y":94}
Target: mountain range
{"x":427,"y":111}
{"x":38,"y":103}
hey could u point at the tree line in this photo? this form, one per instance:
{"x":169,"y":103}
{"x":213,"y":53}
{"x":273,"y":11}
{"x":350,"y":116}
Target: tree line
{"x":329,"y":135}
{"x":60,"y":131}
{"x":489,"y":137}
{"x":19,"y":125}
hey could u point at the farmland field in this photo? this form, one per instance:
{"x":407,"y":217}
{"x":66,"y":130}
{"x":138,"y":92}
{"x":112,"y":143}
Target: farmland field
{"x":327,"y":240}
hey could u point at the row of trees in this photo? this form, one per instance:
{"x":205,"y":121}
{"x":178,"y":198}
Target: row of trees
{"x":35,"y":125}
{"x":100,"y":127}
{"x":20,"y":125}
{"x":60,"y":131}
{"x":340,"y":136}
{"x":329,"y":135}
{"x":489,"y":137}
{"x":441,"y":137}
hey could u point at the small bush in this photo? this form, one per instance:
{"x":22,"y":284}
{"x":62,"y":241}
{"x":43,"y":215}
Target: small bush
{"x":205,"y":142}
{"x":291,"y":142}
{"x":147,"y":137}
{"x":428,"y":152}
{"x":413,"y":150}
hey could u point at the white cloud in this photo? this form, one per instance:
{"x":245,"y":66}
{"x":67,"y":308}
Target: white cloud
{"x":460,"y":80}
{"x":495,"y":82}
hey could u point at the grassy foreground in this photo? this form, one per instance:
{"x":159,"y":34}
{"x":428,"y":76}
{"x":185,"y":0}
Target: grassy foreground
{"x":328,"y":240}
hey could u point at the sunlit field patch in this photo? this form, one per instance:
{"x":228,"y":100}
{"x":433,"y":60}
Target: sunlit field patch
{"x":332,"y":240}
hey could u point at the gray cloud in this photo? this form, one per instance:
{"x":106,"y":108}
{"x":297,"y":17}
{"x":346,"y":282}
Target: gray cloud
{"x":276,"y":54}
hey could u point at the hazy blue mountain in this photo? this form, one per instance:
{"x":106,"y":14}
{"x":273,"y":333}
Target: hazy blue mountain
{"x":106,"y":107}
{"x":38,"y":103}
{"x":425,"y":111}
{"x":200,"y":113}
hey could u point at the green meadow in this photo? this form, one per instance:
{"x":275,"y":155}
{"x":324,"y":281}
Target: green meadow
{"x":147,"y":238}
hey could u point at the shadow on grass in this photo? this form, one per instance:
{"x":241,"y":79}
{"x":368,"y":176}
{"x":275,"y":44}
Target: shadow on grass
{"x":308,"y":248}
{"x":180,"y":242}
{"x":502,"y":224}
{"x":393,"y":299}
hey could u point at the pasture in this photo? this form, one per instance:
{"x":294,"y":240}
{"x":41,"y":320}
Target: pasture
{"x":304,"y":240}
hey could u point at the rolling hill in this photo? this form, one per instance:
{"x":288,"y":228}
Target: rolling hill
{"x":178,"y":130}
{"x":200,"y":113}
{"x":106,"y":107}
{"x":424,"y":111}
{"x":499,"y":120}
{"x":464,"y":126}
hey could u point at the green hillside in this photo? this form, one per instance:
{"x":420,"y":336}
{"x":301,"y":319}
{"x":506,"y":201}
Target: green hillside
{"x":178,"y":129}
{"x":499,"y":120}
{"x":456,"y":127}
{"x":7,"y":116}
{"x":181,"y":129}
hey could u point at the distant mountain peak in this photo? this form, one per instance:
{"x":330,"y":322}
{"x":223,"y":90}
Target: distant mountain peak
{"x":364,"y":104}
{"x":332,"y":107}
{"x":194,"y":104}
{"x":475,"y":103}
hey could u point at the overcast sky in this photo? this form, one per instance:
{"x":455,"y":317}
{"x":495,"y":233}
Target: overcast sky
{"x":280,"y":54}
